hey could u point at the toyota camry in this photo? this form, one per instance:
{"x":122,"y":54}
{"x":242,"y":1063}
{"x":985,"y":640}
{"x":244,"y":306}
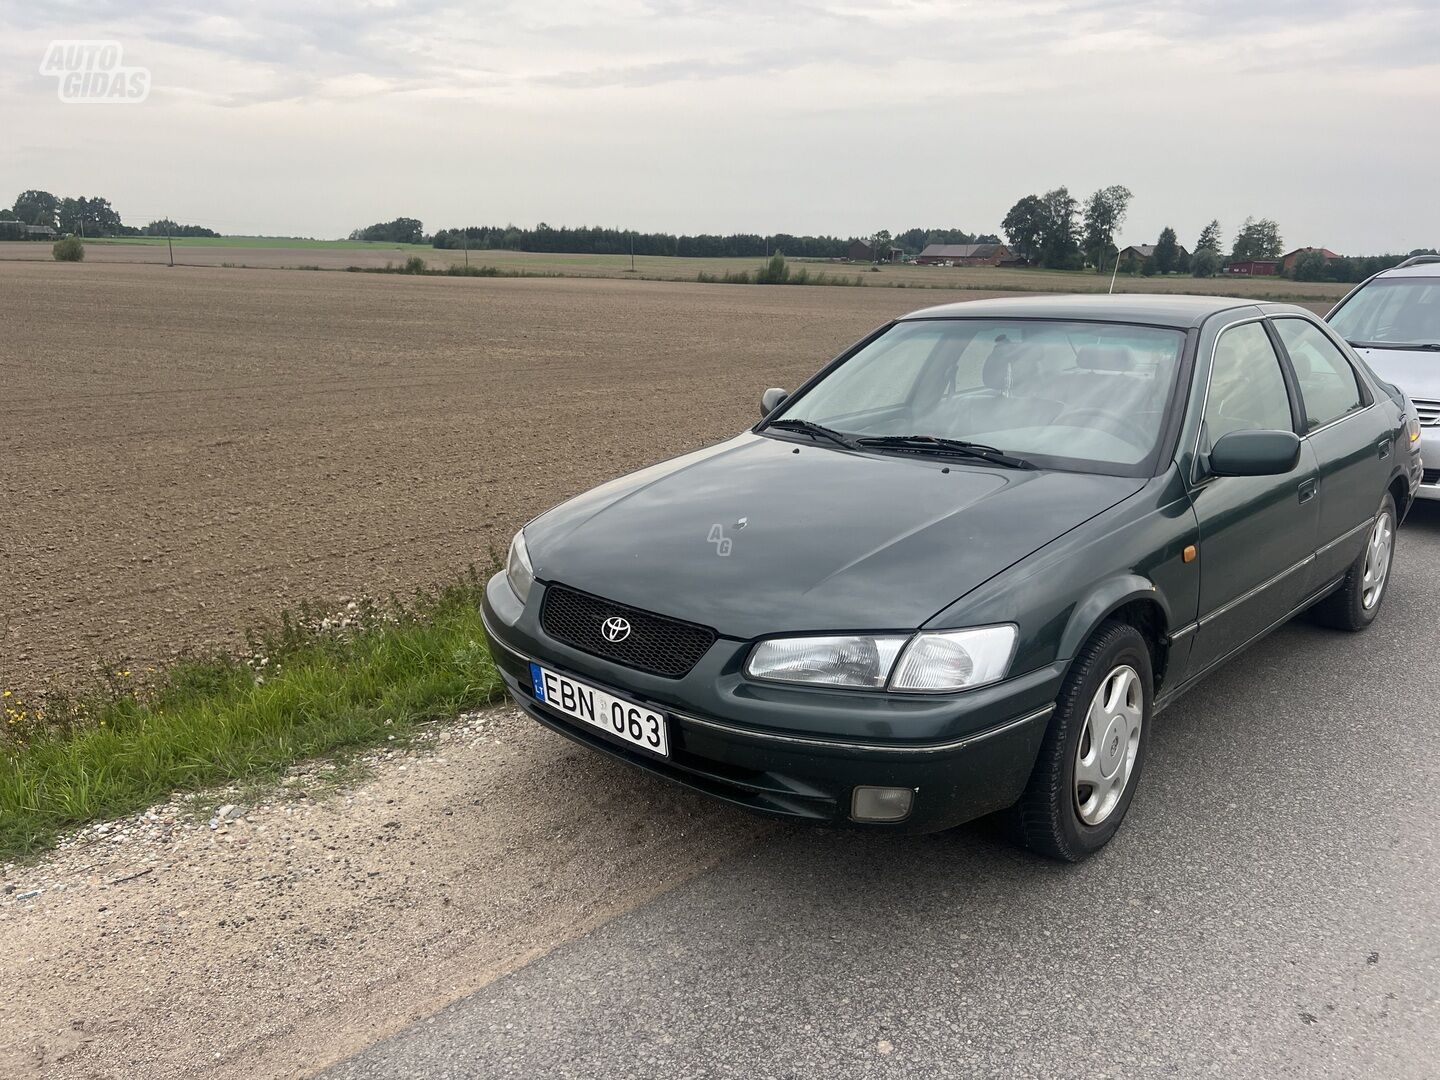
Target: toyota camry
{"x":962,"y":568}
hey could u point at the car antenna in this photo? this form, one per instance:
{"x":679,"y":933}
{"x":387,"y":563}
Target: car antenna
{"x":1113,"y":272}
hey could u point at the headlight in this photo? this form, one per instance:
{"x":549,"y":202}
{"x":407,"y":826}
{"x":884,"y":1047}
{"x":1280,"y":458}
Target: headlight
{"x":955,"y":659}
{"x":826,"y":661}
{"x":1412,"y":429}
{"x":927,"y":662}
{"x":518,"y":571}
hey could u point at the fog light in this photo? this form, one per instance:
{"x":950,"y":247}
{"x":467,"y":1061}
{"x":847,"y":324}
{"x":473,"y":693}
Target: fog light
{"x":881,"y":803}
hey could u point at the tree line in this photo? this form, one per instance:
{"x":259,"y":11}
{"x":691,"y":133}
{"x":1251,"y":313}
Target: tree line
{"x":87,"y":216}
{"x":1052,"y":230}
{"x":595,"y":240}
{"x":1055,"y":230}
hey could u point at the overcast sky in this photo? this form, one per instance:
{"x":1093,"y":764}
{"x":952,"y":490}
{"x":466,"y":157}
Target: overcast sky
{"x":823,"y":116}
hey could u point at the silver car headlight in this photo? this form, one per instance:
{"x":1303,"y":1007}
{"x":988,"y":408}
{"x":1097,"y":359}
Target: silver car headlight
{"x":955,"y":659}
{"x":931,"y":662}
{"x":850,"y":660}
{"x":518,"y":571}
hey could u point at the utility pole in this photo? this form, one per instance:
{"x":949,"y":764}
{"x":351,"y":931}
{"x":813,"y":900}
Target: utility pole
{"x":168,"y":242}
{"x":632,"y":251}
{"x":465,"y":233}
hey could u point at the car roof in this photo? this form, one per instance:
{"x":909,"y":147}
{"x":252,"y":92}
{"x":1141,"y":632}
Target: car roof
{"x":1155,"y":309}
{"x":1418,"y":269}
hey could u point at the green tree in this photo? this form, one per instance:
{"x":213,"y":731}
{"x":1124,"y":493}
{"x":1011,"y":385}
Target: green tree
{"x":37,"y":208}
{"x":1167,"y":252}
{"x":1209,"y":238}
{"x":775,"y":272}
{"x":1104,"y":212}
{"x":1311,"y":266}
{"x":402,"y":230}
{"x":879,"y":245}
{"x":1023,"y":227}
{"x":1205,"y":263}
{"x":1257,"y":240}
{"x":1059,"y":231}
{"x":68,"y":249}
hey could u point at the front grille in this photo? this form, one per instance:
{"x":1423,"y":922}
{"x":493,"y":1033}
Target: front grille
{"x":1429,"y":411}
{"x":1431,"y":476}
{"x":659,"y":645}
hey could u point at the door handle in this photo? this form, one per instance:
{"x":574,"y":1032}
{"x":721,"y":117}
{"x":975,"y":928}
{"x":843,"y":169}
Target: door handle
{"x":1307,"y":490}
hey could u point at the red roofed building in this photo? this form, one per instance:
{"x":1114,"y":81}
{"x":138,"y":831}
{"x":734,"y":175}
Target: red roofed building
{"x":1287,"y":262}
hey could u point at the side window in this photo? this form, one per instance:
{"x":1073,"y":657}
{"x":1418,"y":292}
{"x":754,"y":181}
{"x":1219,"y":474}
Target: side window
{"x":1247,"y":388}
{"x":1327,"y":381}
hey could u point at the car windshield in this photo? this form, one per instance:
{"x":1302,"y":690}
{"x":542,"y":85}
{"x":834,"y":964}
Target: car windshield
{"x":1395,"y":311}
{"x":1059,"y":394}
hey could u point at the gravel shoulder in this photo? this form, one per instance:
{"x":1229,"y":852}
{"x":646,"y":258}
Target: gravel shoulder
{"x":299,"y":925}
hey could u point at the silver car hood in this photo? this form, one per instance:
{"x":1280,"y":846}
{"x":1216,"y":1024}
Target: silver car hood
{"x":1416,"y":371}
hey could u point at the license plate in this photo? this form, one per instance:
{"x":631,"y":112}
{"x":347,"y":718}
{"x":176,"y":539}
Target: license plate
{"x":635,"y":724}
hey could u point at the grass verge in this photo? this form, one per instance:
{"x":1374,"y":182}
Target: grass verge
{"x":310,"y":685}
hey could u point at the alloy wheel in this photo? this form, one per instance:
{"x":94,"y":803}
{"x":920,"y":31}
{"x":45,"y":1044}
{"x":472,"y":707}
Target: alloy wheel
{"x":1109,"y":744}
{"x":1377,"y":559}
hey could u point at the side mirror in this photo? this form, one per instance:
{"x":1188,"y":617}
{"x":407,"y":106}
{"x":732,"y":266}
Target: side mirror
{"x":1255,"y":453}
{"x":771,"y":400}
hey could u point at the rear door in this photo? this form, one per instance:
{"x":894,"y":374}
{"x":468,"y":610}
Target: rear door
{"x":1257,"y":533}
{"x":1352,"y":441}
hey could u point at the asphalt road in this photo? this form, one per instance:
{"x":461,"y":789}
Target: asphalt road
{"x":1271,"y":908}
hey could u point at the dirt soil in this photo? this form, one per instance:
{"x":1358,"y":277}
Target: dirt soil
{"x":299,"y":929}
{"x":186,"y":451}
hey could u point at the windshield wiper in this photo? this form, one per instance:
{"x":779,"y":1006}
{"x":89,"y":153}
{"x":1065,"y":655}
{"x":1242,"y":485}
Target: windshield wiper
{"x":1421,"y":346}
{"x":932,"y":444}
{"x":814,"y":430}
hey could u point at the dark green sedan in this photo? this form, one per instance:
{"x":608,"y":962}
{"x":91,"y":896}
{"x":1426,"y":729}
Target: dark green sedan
{"x":963,"y":567}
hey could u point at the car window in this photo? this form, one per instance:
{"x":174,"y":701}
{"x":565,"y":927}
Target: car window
{"x":900,"y":356}
{"x":1061,"y":393}
{"x":1328,"y":387}
{"x":1247,"y":387}
{"x":1392,"y":311}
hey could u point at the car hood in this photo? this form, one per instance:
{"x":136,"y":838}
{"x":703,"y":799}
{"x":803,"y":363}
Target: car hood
{"x":761,"y":536}
{"x":1416,"y":371}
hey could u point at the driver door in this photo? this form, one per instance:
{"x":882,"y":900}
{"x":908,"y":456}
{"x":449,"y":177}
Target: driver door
{"x":1257,"y":533}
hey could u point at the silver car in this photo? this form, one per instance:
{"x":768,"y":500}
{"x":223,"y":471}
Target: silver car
{"x":1393,"y":321}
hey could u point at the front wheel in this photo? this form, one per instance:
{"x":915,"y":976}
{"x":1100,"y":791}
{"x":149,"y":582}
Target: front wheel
{"x":1089,"y":765}
{"x":1354,"y":605}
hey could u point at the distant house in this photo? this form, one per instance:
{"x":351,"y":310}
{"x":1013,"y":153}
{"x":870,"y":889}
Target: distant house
{"x":1254,"y":267}
{"x":1288,"y":261}
{"x":860,"y":251}
{"x":18,"y":230}
{"x":1136,"y":254}
{"x":963,"y":255}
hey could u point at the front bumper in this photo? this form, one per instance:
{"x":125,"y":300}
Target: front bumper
{"x":797,"y":752}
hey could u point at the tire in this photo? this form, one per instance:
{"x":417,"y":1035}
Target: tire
{"x":1051,"y":816}
{"x":1354,"y":605}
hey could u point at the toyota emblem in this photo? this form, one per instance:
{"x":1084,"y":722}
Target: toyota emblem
{"x":615,"y":629}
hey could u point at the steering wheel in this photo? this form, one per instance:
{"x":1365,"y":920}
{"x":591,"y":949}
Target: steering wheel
{"x":1104,"y":421}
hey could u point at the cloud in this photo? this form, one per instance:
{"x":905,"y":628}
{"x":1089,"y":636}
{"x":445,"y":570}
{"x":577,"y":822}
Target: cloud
{"x":692,"y":114}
